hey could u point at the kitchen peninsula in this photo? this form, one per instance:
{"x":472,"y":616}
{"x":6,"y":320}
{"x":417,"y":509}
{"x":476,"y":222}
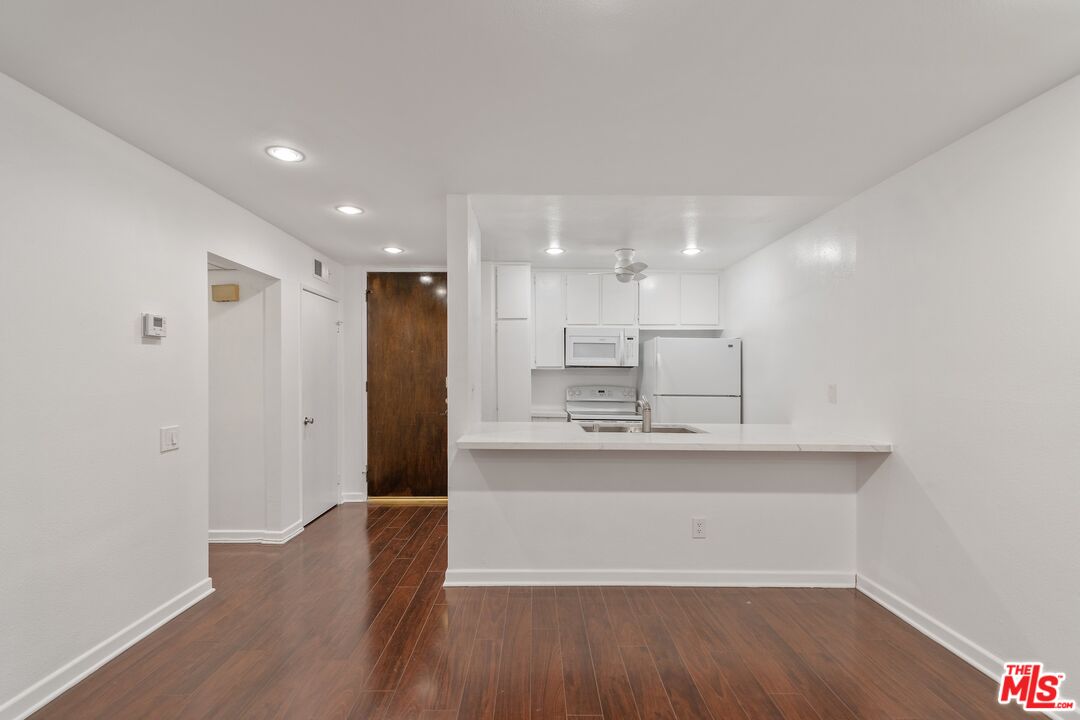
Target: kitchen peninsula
{"x":550,"y":503}
{"x":700,"y":437}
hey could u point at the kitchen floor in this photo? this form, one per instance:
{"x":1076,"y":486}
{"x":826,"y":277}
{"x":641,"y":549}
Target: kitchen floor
{"x":350,"y":620}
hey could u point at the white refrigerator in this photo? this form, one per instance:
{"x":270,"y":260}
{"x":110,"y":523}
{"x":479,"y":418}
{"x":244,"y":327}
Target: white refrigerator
{"x":693,"y":380}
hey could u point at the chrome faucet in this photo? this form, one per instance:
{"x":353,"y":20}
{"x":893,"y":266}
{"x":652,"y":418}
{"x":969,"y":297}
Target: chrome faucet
{"x":646,"y":414}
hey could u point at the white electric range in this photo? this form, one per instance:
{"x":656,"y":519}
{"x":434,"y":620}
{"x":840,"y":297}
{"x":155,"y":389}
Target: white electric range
{"x":611,"y":403}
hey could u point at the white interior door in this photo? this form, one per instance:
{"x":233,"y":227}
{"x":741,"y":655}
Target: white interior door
{"x":319,"y":359}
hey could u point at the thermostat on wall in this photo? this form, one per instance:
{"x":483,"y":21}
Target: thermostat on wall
{"x":153,"y":325}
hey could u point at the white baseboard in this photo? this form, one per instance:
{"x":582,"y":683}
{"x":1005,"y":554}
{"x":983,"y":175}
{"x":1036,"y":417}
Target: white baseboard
{"x":964,"y":648}
{"x":264,"y":537}
{"x":698,"y":578}
{"x":967,"y":650}
{"x":48,"y":688}
{"x":353,"y":497}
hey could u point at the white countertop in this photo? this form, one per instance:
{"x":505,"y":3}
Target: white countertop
{"x":716,"y":438}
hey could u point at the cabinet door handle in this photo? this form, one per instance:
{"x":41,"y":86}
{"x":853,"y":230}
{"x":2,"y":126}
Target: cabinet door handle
{"x":309,"y":421}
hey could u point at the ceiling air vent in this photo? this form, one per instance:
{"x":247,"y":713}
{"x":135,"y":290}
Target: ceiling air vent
{"x":321,"y":271}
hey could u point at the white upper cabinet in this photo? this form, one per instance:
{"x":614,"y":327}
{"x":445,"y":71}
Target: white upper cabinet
{"x":549,"y":319}
{"x":700,"y":299}
{"x":659,"y":299}
{"x":618,"y":301}
{"x":673,"y":300}
{"x":513,"y":292}
{"x":582,"y":299}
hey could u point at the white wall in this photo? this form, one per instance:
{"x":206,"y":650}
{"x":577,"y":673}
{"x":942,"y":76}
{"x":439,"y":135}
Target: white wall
{"x":237,"y":442}
{"x":618,"y":518}
{"x":97,"y":528}
{"x":944,"y":304}
{"x":465,"y":330}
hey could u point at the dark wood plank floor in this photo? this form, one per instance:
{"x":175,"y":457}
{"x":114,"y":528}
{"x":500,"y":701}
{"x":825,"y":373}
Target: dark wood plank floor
{"x":350,"y":620}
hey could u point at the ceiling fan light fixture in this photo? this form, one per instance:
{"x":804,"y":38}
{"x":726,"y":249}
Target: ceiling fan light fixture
{"x":626,"y":270}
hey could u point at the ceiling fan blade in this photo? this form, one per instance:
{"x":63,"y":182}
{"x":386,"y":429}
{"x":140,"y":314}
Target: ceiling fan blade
{"x":624,"y":277}
{"x":638,"y":277}
{"x":606,"y":272}
{"x":636,"y":267}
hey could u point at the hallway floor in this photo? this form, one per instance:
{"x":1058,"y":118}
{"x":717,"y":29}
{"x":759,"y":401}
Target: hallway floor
{"x":350,"y":620}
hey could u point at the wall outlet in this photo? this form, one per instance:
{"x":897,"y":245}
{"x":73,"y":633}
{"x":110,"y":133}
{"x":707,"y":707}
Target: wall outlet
{"x":170,"y":438}
{"x":697,"y":528}
{"x":830,"y":394}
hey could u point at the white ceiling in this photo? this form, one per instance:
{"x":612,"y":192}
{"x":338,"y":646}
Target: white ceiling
{"x":397,"y":103}
{"x":590,"y":227}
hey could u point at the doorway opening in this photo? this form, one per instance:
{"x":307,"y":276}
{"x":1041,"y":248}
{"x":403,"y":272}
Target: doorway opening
{"x":406,"y":387}
{"x":242,"y":318}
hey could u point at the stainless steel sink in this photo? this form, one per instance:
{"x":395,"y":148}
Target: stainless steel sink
{"x":636,"y":429}
{"x":681,"y":429}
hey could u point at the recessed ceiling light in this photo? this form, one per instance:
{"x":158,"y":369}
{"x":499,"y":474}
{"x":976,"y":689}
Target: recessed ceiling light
{"x":426,"y":279}
{"x":349,"y":210}
{"x":691,"y":250}
{"x":554,"y":251}
{"x":284,"y":154}
{"x":393,"y":250}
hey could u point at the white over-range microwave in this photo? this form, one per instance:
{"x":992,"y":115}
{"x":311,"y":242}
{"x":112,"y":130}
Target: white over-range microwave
{"x":601,"y":347}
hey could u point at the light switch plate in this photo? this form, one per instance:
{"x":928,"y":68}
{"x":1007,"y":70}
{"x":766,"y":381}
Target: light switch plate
{"x":170,"y":438}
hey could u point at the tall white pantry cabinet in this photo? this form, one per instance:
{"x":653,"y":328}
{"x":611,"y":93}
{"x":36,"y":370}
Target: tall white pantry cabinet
{"x":513,"y":341}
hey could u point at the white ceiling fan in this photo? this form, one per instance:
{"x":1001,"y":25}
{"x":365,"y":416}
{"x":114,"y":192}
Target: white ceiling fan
{"x":626,"y":270}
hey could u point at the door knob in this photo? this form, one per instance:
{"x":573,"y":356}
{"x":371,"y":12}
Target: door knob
{"x":309,"y":421}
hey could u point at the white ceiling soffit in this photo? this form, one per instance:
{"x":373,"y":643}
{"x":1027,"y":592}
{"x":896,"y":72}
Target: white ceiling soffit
{"x":589,"y":227}
{"x":398,"y":103}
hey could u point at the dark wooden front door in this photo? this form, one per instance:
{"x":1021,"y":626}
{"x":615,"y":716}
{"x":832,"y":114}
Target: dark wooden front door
{"x":406,"y":373}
